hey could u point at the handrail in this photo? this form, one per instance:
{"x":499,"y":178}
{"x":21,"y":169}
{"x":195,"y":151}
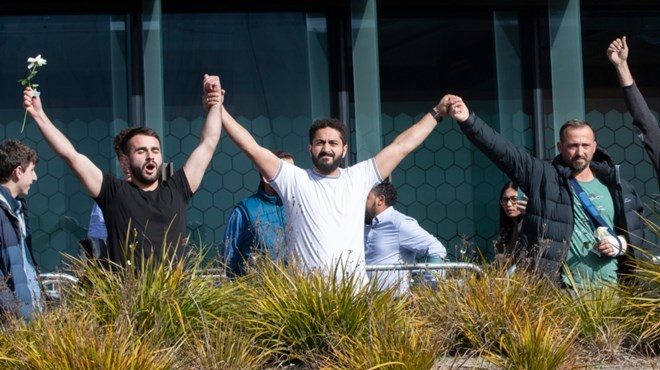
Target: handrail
{"x":427,"y":266}
{"x":52,"y":283}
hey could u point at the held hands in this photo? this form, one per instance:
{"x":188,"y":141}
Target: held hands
{"x":454,"y":106}
{"x":617,"y":52}
{"x":213,"y":93}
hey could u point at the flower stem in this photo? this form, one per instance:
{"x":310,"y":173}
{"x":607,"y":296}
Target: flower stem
{"x":29,"y":83}
{"x":24,"y":119}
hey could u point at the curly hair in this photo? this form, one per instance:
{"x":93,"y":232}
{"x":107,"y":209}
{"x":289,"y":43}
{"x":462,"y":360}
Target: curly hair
{"x":13,"y":153}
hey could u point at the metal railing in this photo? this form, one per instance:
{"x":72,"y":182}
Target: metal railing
{"x":53,"y":282}
{"x":420,"y":267}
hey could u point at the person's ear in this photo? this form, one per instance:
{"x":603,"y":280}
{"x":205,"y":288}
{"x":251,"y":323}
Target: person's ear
{"x":17,"y":172}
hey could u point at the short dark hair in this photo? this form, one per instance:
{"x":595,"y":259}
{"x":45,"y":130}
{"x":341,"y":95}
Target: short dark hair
{"x":134,"y":131}
{"x":387,"y":190}
{"x":328,"y":122}
{"x":573,"y":124}
{"x":13,"y":153}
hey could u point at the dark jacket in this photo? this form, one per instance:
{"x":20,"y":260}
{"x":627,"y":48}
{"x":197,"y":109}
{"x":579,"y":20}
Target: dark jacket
{"x":646,"y":123}
{"x":20,"y":289}
{"x":548,"y":222}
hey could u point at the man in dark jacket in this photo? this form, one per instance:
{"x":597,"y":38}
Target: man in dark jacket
{"x":643,"y":119}
{"x":20,"y":289}
{"x":556,"y":227}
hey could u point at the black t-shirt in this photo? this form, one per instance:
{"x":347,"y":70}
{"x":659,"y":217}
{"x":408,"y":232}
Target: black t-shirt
{"x":151,"y":215}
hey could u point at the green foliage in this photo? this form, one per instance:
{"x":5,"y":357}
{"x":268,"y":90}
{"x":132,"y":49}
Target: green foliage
{"x":602,"y":317}
{"x":300,"y":314}
{"x":642,"y":297}
{"x":224,"y":345}
{"x":538,"y":344}
{"x":478,"y":311}
{"x":398,"y":339}
{"x":166,"y":296}
{"x":68,"y":339}
{"x":180,"y":315}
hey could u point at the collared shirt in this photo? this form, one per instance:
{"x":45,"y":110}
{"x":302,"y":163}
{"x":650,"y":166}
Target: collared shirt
{"x":394,"y":238}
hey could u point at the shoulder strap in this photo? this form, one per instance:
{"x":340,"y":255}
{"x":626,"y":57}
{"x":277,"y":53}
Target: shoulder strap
{"x":593,"y":213}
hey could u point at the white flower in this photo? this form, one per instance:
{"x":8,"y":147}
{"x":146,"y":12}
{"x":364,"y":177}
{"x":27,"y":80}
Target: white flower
{"x":38,"y":61}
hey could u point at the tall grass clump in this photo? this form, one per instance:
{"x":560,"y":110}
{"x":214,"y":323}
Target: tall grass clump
{"x":398,"y":338}
{"x":168,"y":296}
{"x":643,"y":302}
{"x":508,"y":319}
{"x":330,"y":319}
{"x":642,"y":296}
{"x":68,"y":339}
{"x":538,"y":344}
{"x":602,"y":318}
{"x":224,"y":345}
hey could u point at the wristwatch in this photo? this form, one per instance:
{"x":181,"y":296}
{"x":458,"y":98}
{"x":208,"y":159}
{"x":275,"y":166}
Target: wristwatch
{"x":436,"y":115}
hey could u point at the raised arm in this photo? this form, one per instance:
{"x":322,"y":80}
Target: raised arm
{"x":617,"y":53}
{"x":88,"y":173}
{"x":643,"y":118}
{"x":200,"y":158}
{"x":267,"y":163}
{"x":390,"y":157}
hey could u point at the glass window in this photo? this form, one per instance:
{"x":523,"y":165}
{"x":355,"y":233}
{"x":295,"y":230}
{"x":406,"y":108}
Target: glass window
{"x":274,"y":69}
{"x":605,"y":106}
{"x":448,"y":186}
{"x":83,"y":90}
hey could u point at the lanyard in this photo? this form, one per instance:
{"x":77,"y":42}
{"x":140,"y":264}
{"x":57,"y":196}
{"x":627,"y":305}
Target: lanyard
{"x":594,"y":215}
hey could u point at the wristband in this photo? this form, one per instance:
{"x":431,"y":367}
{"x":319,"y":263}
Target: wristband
{"x":436,"y":115}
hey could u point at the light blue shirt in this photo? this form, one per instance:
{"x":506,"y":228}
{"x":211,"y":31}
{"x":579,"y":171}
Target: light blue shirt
{"x":394,"y":238}
{"x":97,"y":227}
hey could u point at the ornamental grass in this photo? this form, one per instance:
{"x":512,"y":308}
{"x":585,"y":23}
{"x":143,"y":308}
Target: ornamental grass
{"x":182,"y":315}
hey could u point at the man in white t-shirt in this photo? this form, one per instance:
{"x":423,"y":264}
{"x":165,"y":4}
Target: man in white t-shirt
{"x":325,"y":204}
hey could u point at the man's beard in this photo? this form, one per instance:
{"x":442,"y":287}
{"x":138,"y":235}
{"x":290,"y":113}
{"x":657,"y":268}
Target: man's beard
{"x":326,"y":168}
{"x":139,"y":177}
{"x":580,"y":167}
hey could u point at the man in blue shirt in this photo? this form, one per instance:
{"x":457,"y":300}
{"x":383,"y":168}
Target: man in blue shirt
{"x":257,"y":223}
{"x":390,"y":237}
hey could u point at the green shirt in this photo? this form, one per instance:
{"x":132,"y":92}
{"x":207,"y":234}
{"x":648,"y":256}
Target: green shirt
{"x":587,"y":267}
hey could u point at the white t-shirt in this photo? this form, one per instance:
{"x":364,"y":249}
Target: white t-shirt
{"x":325,"y":214}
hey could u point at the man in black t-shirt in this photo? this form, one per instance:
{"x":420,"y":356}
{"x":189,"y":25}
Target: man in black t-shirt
{"x":143,"y":213}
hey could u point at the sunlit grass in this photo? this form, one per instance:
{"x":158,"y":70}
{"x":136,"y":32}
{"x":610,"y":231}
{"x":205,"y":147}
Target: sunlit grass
{"x":176,"y":314}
